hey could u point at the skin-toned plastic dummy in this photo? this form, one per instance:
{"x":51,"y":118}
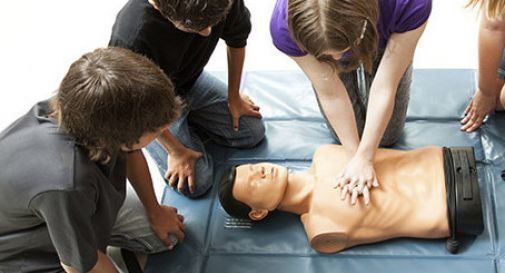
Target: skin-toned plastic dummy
{"x":410,"y":202}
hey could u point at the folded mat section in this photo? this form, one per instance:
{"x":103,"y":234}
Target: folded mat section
{"x":345,"y":263}
{"x":440,"y":94}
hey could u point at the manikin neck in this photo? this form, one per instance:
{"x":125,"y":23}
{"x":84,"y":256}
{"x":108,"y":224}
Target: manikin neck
{"x":298,"y":193}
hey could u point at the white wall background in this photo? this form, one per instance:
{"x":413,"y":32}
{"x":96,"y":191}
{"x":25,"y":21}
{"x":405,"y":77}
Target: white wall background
{"x":40,"y":39}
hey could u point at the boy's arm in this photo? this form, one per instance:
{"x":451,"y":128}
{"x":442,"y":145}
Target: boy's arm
{"x":239,"y":105}
{"x":164,"y":220}
{"x":181,"y":162}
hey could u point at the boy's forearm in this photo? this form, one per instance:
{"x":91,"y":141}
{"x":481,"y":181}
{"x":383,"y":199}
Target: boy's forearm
{"x":140,"y":179}
{"x":236,"y":57}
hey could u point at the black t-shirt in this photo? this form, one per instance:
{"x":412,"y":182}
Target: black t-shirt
{"x":142,"y":29}
{"x":55,"y":203}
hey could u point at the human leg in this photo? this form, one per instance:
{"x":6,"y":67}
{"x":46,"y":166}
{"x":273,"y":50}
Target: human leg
{"x":132,"y":230}
{"x":211,"y":114}
{"x":187,"y":136}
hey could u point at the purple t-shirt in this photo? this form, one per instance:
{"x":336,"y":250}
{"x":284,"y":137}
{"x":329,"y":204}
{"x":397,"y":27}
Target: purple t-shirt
{"x":395,"y":16}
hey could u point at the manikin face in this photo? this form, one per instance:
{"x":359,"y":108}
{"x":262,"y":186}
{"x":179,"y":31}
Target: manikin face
{"x":260,"y":186}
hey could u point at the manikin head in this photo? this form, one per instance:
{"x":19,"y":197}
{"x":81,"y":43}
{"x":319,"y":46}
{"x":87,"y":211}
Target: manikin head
{"x":193,"y":16}
{"x":253,"y":190}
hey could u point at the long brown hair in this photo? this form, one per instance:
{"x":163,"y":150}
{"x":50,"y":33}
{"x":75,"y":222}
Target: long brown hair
{"x":111,"y":97}
{"x":321,"y":25}
{"x":493,"y":8}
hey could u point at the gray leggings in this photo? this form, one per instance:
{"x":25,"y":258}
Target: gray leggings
{"x":397,"y":121}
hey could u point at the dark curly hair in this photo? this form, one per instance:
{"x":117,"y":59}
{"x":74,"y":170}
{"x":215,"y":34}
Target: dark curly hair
{"x":194,"y":14}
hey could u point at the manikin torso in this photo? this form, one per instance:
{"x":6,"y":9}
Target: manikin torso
{"x":410,"y":201}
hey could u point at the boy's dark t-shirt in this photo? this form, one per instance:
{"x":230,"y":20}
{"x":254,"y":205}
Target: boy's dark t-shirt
{"x":55,"y":203}
{"x":142,"y":29}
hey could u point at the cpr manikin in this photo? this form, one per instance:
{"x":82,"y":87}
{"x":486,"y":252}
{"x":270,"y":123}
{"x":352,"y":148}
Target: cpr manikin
{"x":425,"y":193}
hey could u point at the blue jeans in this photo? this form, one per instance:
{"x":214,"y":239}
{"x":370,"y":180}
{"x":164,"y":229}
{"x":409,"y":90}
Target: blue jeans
{"x":207,"y":117}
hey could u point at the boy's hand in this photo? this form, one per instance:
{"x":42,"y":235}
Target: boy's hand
{"x":181,"y":169}
{"x":242,"y":106}
{"x":165,"y":221}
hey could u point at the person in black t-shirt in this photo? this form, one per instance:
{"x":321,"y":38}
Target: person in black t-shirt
{"x":63,"y":194}
{"x":180,"y":36}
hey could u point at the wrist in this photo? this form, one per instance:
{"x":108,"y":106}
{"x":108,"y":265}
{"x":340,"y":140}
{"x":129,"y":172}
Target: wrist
{"x":350,"y":151}
{"x":178,"y":150}
{"x":487,"y":92}
{"x":153,"y":211}
{"x":233,"y":96}
{"x":365,"y":154}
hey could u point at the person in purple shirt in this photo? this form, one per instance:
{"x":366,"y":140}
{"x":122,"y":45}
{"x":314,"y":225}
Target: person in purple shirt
{"x":358,"y":56}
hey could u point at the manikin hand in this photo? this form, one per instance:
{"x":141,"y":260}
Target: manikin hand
{"x":357,"y":178}
{"x":242,"y":106}
{"x":165,"y":222}
{"x":181,"y":168}
{"x":479,"y":107}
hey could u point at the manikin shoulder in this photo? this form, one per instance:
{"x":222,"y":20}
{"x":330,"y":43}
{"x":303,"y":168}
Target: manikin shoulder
{"x":322,"y":234}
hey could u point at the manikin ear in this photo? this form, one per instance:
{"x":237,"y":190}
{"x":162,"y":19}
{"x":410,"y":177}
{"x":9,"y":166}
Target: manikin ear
{"x":258,"y":214}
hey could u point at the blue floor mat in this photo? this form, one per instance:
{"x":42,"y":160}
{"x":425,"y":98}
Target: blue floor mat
{"x":294,"y":129}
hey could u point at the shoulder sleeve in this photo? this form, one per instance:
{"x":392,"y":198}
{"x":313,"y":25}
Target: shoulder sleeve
{"x":67,"y":215}
{"x":279,"y":31}
{"x":237,"y":25}
{"x":412,"y":14}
